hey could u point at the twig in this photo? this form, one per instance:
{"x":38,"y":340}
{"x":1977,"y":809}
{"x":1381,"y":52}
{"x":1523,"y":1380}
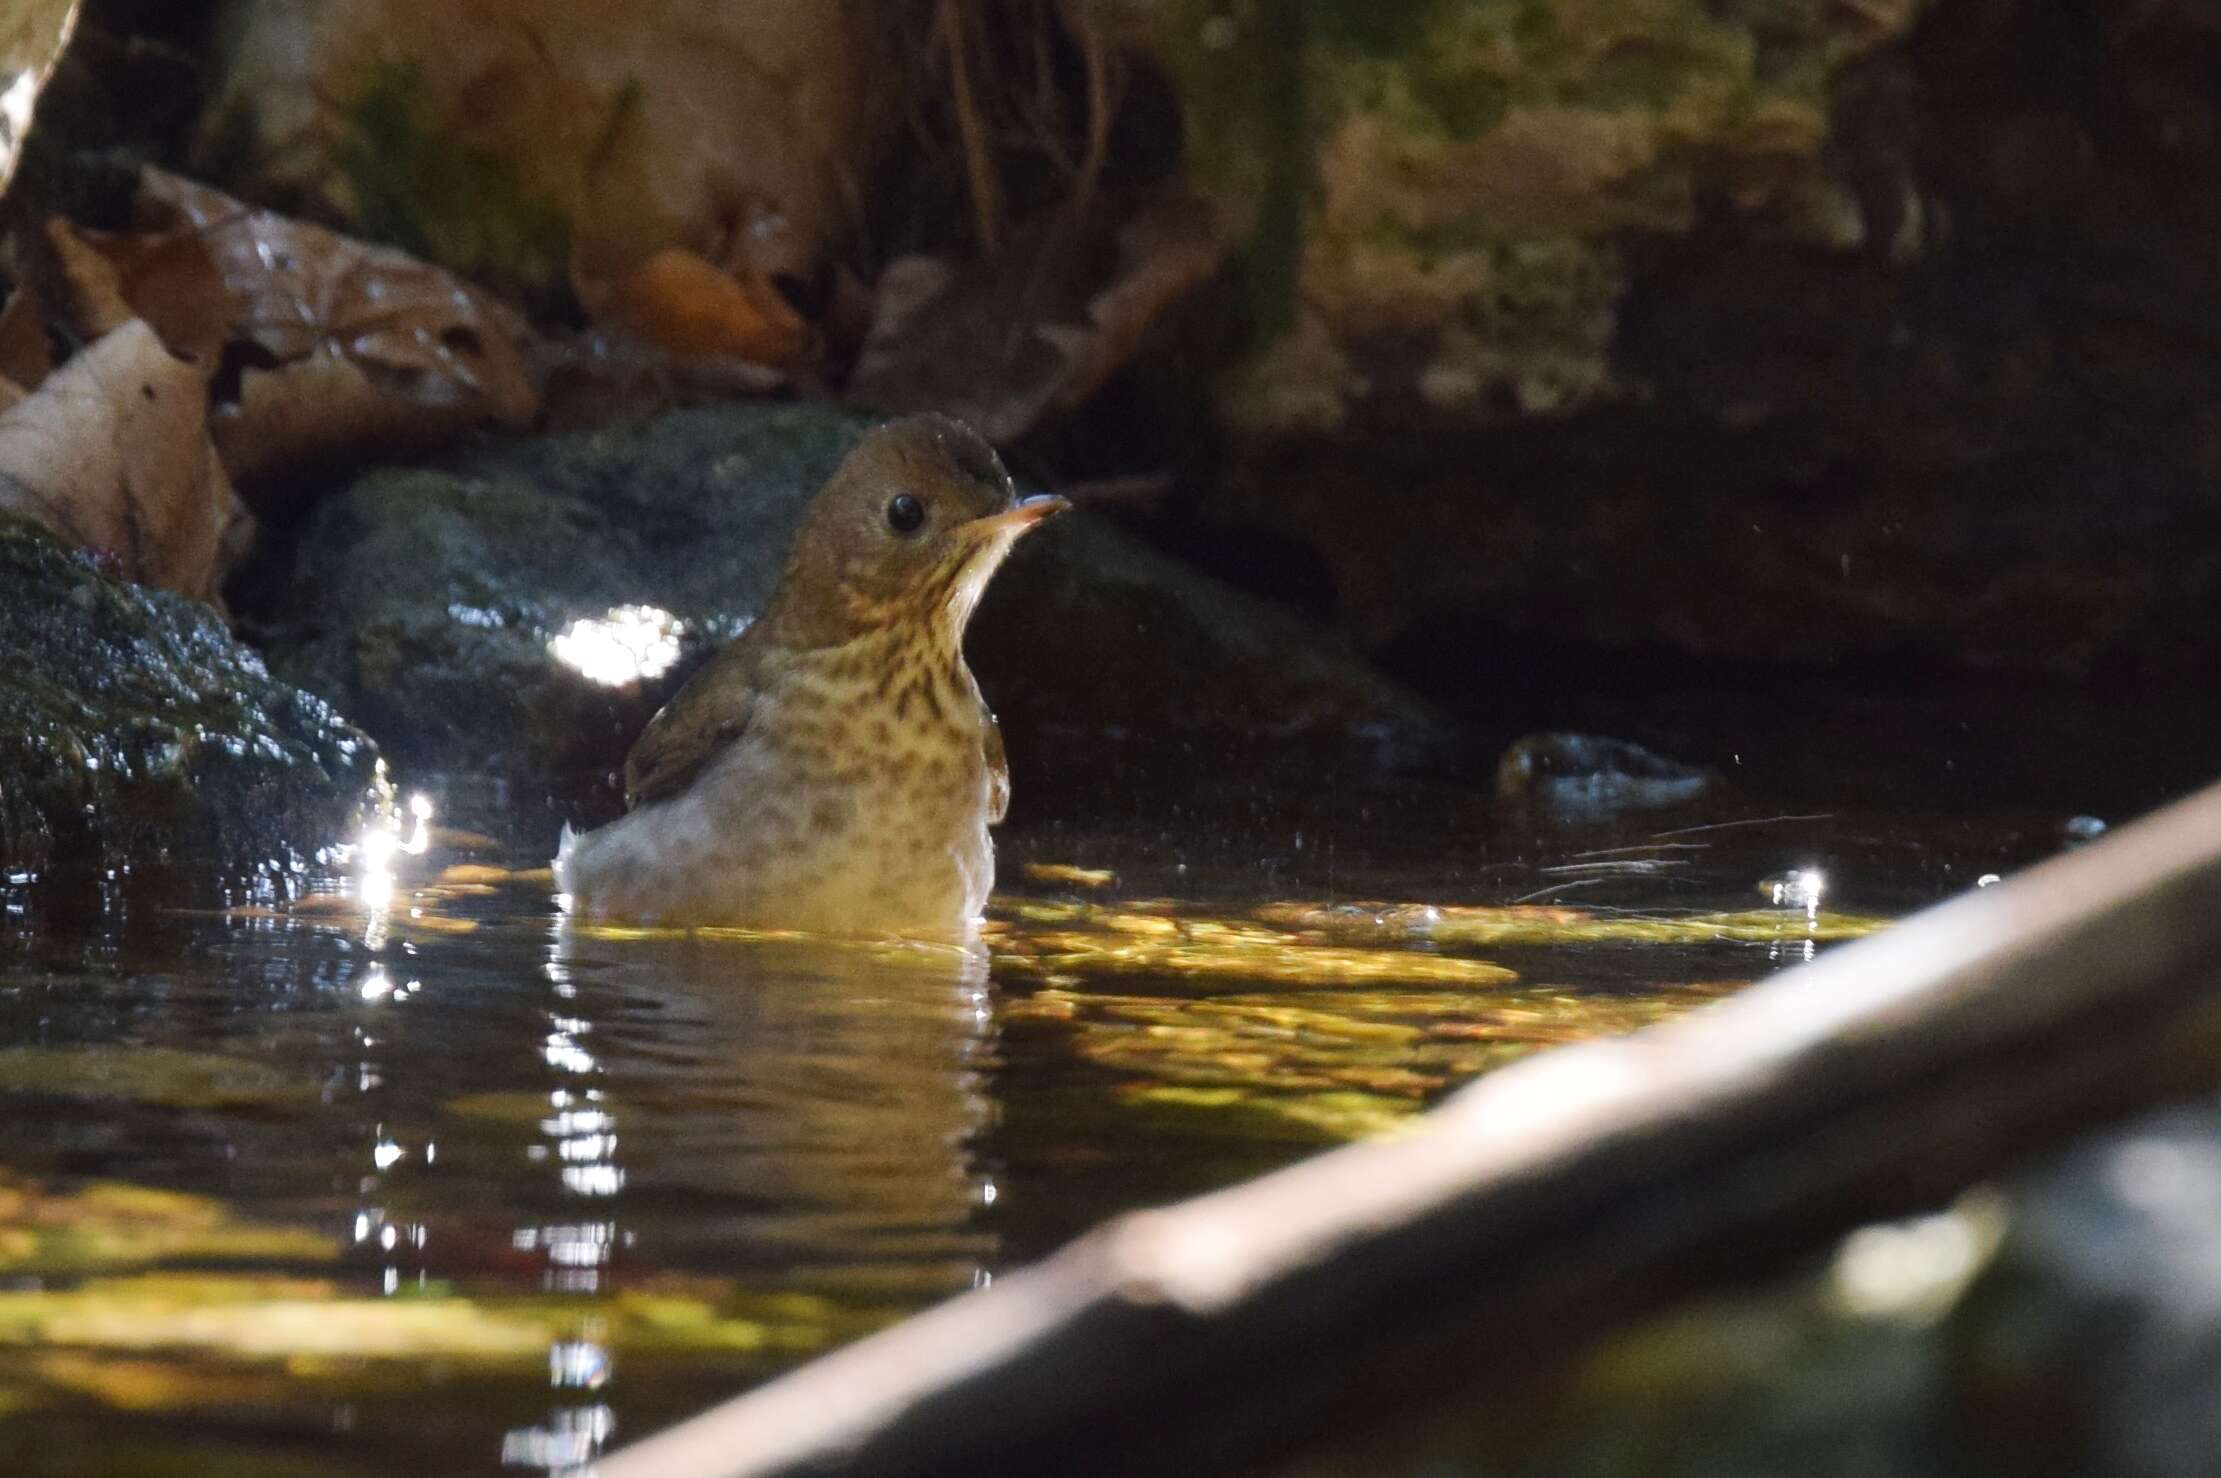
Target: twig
{"x":1080,"y":17}
{"x":979,"y":163}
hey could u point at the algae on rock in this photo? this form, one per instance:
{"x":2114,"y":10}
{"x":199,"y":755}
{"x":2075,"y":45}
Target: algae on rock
{"x":1462,"y":177}
{"x":135,"y":728}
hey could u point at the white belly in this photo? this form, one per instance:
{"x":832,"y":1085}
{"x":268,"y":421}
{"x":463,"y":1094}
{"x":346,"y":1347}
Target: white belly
{"x":881,"y":849}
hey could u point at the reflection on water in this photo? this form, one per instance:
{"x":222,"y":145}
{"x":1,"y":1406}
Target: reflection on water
{"x":826,"y":1097}
{"x":393,"y":1169}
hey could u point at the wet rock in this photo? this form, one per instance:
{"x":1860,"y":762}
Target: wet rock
{"x":1088,"y":631}
{"x":2093,"y":1343}
{"x":2080,"y":830}
{"x":1587,"y":775}
{"x":425,"y":601}
{"x":135,"y":728}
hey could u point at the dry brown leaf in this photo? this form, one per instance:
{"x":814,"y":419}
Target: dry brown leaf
{"x":597,"y":378}
{"x":112,"y":451}
{"x":691,"y":308}
{"x":167,"y":278}
{"x":1163,"y":250}
{"x":1036,"y":328}
{"x":425,"y":355}
{"x":311,"y":408}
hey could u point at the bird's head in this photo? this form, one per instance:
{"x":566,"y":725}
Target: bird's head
{"x":908,"y":530}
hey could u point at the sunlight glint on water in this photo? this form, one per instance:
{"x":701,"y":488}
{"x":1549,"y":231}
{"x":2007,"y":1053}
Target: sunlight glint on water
{"x":672,"y":1166}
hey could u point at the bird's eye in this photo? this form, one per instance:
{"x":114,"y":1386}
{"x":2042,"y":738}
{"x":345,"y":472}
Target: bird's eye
{"x":905,"y":514}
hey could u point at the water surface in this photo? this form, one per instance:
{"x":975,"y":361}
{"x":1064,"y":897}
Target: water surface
{"x":298,"y":1178}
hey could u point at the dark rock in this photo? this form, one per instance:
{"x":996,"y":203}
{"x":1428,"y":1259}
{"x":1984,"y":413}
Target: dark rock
{"x":1087,"y":630}
{"x":135,"y":728}
{"x":2092,"y":1344}
{"x":425,"y":600}
{"x":1587,"y":775}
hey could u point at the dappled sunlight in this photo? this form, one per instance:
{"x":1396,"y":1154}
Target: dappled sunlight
{"x":631,"y":644}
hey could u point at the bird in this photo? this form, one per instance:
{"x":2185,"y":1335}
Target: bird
{"x":834,"y":768}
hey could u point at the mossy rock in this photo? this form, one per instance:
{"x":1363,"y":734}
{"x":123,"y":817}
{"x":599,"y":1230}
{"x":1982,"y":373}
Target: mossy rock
{"x":1435,"y":199}
{"x":134,"y":727}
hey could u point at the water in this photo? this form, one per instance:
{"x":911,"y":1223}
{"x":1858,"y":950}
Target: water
{"x":293,"y":1183}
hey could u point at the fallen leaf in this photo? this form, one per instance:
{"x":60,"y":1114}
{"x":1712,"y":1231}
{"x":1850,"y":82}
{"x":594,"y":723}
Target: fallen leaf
{"x":681,"y":303}
{"x":1037,"y":327}
{"x":1163,"y":250}
{"x":363,"y":346}
{"x":600,"y":378}
{"x":167,"y":278}
{"x":112,"y":451}
{"x":33,"y":34}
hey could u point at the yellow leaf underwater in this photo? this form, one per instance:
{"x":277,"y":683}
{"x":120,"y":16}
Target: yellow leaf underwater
{"x":111,"y":1224}
{"x":1459,"y":925}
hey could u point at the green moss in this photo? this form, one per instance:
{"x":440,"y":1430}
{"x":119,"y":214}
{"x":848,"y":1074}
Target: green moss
{"x":1375,"y":27}
{"x":464,"y":208}
{"x":1245,"y":88}
{"x":1466,"y":103}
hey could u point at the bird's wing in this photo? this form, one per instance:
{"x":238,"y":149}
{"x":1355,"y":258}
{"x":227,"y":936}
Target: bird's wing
{"x":998,"y":770}
{"x":707,"y":714}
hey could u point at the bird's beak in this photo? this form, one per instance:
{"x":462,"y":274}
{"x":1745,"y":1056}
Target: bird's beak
{"x":1029,"y":512}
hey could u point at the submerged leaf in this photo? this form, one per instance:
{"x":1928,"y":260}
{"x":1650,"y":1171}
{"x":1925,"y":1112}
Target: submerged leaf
{"x":154,"y":1075}
{"x":111,"y":1224}
{"x":1321,"y":1063}
{"x":1449,"y":924}
{"x":1208,"y":949}
{"x":313,"y":1324}
{"x":1064,"y":872}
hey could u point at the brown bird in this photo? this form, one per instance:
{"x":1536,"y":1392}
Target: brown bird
{"x":834,"y":769}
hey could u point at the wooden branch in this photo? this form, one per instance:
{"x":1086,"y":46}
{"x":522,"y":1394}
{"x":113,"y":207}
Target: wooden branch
{"x":1553,"y":1199}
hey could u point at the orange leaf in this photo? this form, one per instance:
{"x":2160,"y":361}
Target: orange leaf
{"x":681,"y":303}
{"x":167,"y":278}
